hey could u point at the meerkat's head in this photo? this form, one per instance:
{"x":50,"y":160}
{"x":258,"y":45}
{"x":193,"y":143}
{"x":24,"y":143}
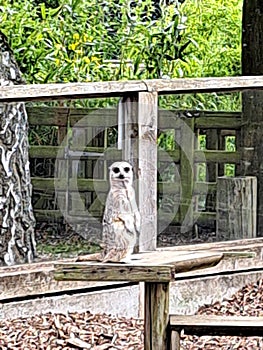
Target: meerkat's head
{"x":121,"y":172}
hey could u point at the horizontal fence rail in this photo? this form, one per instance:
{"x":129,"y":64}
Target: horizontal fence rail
{"x":44,"y":92}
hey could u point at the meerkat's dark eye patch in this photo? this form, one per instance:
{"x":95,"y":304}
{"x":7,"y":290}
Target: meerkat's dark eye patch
{"x":127,"y":169}
{"x":116,"y":170}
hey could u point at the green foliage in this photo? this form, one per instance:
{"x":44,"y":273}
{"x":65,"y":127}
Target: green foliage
{"x":217,"y":33}
{"x":64,"y":248}
{"x":78,"y":40}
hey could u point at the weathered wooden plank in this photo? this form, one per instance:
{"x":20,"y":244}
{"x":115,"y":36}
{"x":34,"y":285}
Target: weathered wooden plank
{"x":40,"y":92}
{"x":155,"y":266}
{"x":217,"y":156}
{"x":236,"y":207}
{"x":92,"y":118}
{"x":193,"y":85}
{"x":212,"y":143}
{"x":84,"y":117}
{"x":147,"y":164}
{"x":89,"y":185}
{"x":114,"y":154}
{"x":47,"y":214}
{"x":187,"y":145}
{"x":174,"y":339}
{"x":245,"y":326}
{"x":45,"y":92}
{"x":37,"y":278}
{"x":49,"y":116}
{"x":184,"y":260}
{"x":46,"y":152}
{"x":218,"y":122}
{"x":156,"y":317}
{"x":74,"y":152}
{"x":112,"y":272}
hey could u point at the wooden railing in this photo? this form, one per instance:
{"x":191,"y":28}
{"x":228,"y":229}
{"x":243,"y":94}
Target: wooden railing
{"x":143,"y":123}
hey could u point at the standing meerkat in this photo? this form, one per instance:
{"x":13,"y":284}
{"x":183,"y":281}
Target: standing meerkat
{"x":121,"y":219}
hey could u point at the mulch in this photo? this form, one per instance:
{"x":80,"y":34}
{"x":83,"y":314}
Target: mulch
{"x":100,"y":331}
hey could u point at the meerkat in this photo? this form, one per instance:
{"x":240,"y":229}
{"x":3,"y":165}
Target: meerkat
{"x":121,"y":219}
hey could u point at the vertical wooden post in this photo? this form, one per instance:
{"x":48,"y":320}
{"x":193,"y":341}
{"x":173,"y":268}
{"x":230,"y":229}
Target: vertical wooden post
{"x":175,"y":340}
{"x":147,"y":163}
{"x":187,"y":144}
{"x":156,"y":316}
{"x":63,"y":165}
{"x":139,"y":114}
{"x":212,"y":168}
{"x":236,"y":207}
{"x":77,"y":169}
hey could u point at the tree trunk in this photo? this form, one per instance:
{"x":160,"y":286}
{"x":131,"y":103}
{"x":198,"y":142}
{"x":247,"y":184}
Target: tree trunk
{"x":17,"y":222}
{"x":252,"y":101}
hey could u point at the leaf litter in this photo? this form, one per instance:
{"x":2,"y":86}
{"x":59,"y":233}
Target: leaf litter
{"x":54,"y":331}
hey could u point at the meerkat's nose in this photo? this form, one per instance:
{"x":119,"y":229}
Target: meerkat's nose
{"x":121,"y":176}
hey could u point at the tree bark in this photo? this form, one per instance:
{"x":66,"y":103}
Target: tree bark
{"x":252,"y":101}
{"x":17,"y":222}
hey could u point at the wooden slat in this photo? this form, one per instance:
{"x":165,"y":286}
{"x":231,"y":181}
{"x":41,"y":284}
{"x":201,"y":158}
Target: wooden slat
{"x":57,"y":116}
{"x":90,"y":118}
{"x":158,"y":266}
{"x":46,"y":152}
{"x":88,"y":185}
{"x":217,"y":156}
{"x":107,"y":117}
{"x":40,"y":92}
{"x":112,"y":272}
{"x":187,"y":145}
{"x":245,"y":326}
{"x":218,"y":123}
{"x":111,"y":153}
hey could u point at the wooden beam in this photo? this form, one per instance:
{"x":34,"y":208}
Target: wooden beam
{"x":245,"y":326}
{"x":156,"y":316}
{"x":112,"y":272}
{"x":42,"y":92}
{"x":157,"y":266}
{"x":147,"y":166}
{"x":37,"y":278}
{"x":217,"y":156}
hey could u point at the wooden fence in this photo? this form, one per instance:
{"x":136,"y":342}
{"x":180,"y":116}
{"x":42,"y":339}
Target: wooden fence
{"x":86,"y":154}
{"x":140,"y":132}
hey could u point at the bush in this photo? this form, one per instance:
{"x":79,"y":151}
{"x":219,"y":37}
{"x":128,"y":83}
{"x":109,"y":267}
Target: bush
{"x":78,"y":40}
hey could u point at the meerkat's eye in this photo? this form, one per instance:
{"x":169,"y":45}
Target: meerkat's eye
{"x":116,"y":170}
{"x":127,"y":169}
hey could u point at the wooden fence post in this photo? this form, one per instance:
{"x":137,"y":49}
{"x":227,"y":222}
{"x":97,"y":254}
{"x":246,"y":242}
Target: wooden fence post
{"x":187,"y":169}
{"x":139,"y":114}
{"x":147,"y":163}
{"x":236,"y":207}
